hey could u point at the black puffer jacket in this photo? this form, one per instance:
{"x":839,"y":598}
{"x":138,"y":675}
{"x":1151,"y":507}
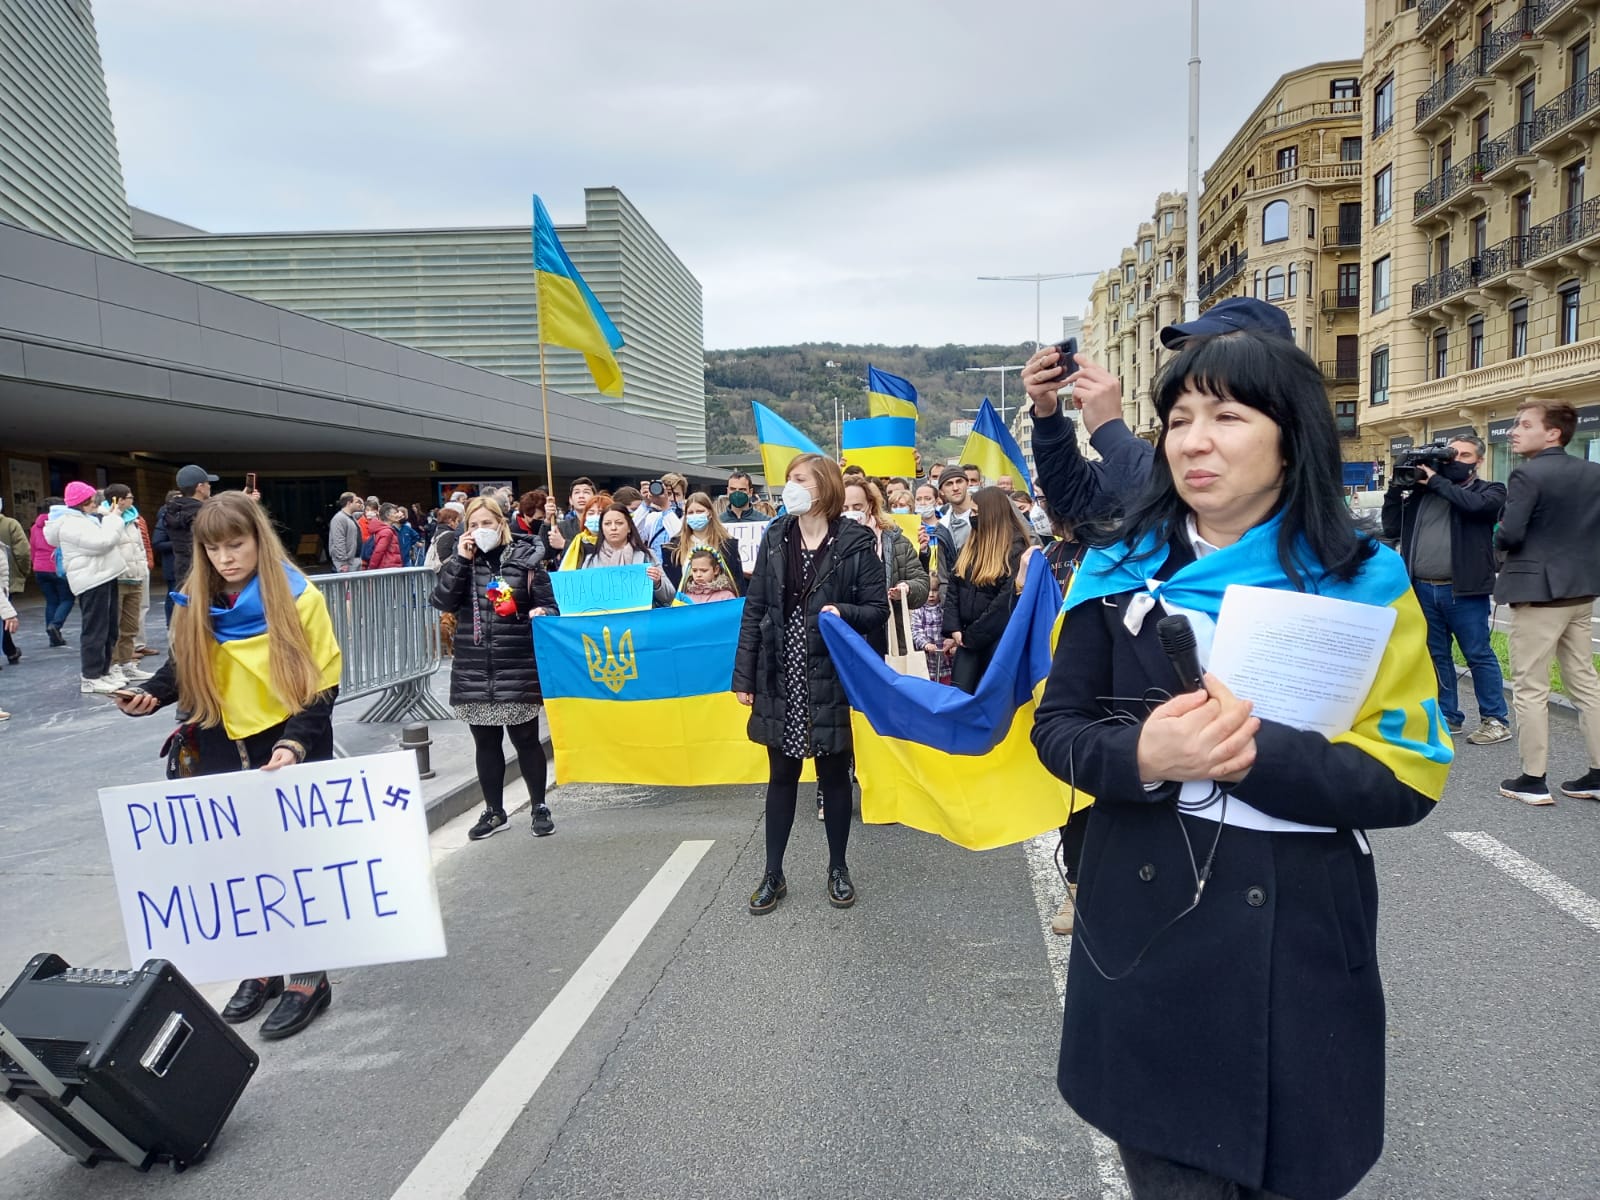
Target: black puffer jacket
{"x":980,"y":615}
{"x":499,"y":668}
{"x":849,"y":577}
{"x":179,"y":515}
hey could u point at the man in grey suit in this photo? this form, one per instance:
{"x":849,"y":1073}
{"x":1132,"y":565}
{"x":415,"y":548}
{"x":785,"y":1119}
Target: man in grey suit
{"x":1550,"y":579}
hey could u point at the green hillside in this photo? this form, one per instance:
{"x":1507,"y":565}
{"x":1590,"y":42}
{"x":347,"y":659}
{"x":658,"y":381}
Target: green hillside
{"x":800,"y":383}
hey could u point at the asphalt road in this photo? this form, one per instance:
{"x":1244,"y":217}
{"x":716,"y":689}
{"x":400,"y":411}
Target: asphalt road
{"x":903,"y":1048}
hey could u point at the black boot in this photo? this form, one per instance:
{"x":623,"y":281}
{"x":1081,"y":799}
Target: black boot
{"x":841,"y":892}
{"x":250,"y":997}
{"x":303,"y":1001}
{"x":772,"y":888}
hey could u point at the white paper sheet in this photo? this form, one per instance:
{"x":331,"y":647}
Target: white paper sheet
{"x":1304,"y":661}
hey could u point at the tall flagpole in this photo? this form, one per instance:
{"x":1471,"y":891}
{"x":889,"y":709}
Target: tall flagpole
{"x":1191,"y":274}
{"x":544,"y":403}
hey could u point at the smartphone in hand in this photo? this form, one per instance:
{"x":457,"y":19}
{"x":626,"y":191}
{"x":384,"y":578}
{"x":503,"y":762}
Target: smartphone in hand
{"x":250,"y":477}
{"x":1068,"y":352}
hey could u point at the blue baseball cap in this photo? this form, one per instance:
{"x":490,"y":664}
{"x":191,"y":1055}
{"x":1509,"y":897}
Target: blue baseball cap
{"x":1230,"y":316}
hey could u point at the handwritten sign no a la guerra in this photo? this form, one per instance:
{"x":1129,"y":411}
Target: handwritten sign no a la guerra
{"x":602,"y":589}
{"x":311,"y":867}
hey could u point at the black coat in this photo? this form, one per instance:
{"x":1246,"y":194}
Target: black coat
{"x":1249,"y":1042}
{"x":980,"y":614}
{"x":178,"y":515}
{"x":500,"y":668}
{"x":1548,"y":530}
{"x":310,"y":729}
{"x":730,"y":555}
{"x":850,"y":577}
{"x":1474,"y":508}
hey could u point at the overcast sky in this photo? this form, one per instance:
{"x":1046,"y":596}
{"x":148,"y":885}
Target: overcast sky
{"x":827,"y":170}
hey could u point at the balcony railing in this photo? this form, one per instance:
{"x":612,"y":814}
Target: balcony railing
{"x":1551,"y":8}
{"x":1576,"y":225}
{"x":1547,"y":368}
{"x":1579,"y":100}
{"x":1341,"y":235}
{"x":1339,"y":300}
{"x":1321,"y":110}
{"x":1429,"y":10}
{"x":1514,"y":143}
{"x":1449,"y":282}
{"x":1223,"y":276}
{"x":1382,"y":123}
{"x":1459,"y":177}
{"x":1344,"y":370}
{"x":1460,"y":73}
{"x":1512,"y":34}
{"x":1503,"y":257}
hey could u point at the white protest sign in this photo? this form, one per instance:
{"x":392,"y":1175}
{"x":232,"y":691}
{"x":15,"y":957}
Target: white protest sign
{"x":307,"y":868}
{"x":748,"y":534}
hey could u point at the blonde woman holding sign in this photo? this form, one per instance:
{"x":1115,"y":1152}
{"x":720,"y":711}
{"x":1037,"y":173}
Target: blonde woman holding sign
{"x":255,"y":665}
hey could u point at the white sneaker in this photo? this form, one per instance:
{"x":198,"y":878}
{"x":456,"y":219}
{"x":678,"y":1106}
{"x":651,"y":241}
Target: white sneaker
{"x":114,"y":672}
{"x":103,"y":686}
{"x":133,"y":671}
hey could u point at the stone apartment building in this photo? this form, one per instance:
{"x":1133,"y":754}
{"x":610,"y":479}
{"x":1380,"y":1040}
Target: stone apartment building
{"x":1480,"y":241}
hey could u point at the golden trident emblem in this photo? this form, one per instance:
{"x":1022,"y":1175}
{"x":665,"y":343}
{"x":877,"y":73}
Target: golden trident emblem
{"x":611,"y":669}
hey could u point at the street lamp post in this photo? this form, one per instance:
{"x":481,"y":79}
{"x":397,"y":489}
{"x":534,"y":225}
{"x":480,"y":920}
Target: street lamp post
{"x":1038,"y":281}
{"x":1001,"y":371}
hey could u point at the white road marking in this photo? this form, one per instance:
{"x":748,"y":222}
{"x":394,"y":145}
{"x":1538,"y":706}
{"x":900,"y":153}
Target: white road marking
{"x":1047,"y":895}
{"x":1577,"y":904}
{"x":449,"y":1168}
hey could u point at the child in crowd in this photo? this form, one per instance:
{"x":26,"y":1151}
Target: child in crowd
{"x":927,"y":632}
{"x":707,"y":580}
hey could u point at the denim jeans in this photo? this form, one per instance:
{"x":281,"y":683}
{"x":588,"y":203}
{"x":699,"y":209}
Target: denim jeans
{"x":1466,"y":619}
{"x":57,"y":598}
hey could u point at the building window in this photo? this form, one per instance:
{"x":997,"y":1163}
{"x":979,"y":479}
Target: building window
{"x":1350,"y":149}
{"x":1166,"y":269}
{"x":1294,"y":280}
{"x":1146,"y":249}
{"x":1169,"y":219}
{"x":1569,"y":313}
{"x":1480,"y":234}
{"x":1441,"y":353}
{"x":1147,"y":291}
{"x":1380,"y":285}
{"x":1519,"y":329}
{"x":1522,"y":213}
{"x":1446,"y":155}
{"x":1275,"y":289}
{"x":1255,"y":288}
{"x":1116,"y":293}
{"x":1288,"y":158}
{"x":1475,"y":344}
{"x":1379,"y":375}
{"x":1127,"y":274}
{"x":1127,"y":310}
{"x":1343,"y":93}
{"x":1311,"y":221}
{"x":1275,"y":222}
{"x":1349,"y":284}
{"x":1115,"y":324}
{"x":1383,"y":195}
{"x":1383,"y":106}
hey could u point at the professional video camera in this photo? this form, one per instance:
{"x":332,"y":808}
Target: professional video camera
{"x":1433,"y":457}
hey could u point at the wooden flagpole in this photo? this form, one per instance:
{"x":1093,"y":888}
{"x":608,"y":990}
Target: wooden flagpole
{"x":544,"y":402}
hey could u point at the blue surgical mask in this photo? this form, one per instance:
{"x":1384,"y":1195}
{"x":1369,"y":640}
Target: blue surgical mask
{"x":697,"y":521}
{"x":901,"y":511}
{"x":592,"y":523}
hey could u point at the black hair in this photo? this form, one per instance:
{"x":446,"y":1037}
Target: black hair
{"x":1275,"y":377}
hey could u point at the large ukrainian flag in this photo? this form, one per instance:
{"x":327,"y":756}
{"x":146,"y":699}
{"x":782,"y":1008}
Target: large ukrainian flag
{"x":781,"y":443}
{"x":932,"y":757}
{"x":991,"y":448}
{"x":889,"y":395}
{"x":643,"y":697}
{"x":569,"y":315}
{"x":880,"y":446}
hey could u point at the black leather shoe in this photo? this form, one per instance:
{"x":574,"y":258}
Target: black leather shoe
{"x":296,"y":1010}
{"x":841,"y":892}
{"x":250,"y":997}
{"x":766,"y":896}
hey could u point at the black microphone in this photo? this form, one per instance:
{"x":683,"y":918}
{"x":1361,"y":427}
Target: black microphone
{"x":1177,"y":640}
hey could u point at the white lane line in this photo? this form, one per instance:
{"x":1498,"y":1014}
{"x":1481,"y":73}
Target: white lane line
{"x":449,"y":1168}
{"x":1047,"y":895}
{"x":1577,"y":904}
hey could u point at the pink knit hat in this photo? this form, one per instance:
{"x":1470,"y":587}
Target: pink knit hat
{"x":78,"y":494}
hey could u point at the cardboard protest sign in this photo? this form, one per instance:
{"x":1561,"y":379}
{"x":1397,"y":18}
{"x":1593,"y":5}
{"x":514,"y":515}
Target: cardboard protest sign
{"x":748,"y":534}
{"x":602,"y":589}
{"x":307,"y":868}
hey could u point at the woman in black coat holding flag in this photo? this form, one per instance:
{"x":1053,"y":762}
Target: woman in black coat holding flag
{"x":811,"y":561}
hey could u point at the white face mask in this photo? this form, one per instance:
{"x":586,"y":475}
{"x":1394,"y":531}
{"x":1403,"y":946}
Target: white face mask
{"x":851,"y":515}
{"x":796,"y":498}
{"x":927,"y":511}
{"x":487,"y":539}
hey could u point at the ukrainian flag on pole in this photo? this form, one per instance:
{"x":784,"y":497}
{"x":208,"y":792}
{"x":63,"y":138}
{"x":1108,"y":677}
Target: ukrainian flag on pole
{"x":992,"y":449}
{"x":932,"y":757}
{"x":889,"y":395}
{"x":569,"y":315}
{"x":881,"y":446}
{"x":781,"y":443}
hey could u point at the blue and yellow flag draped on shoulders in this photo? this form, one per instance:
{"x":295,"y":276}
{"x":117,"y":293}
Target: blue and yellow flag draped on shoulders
{"x":991,"y":448}
{"x":1398,"y":723}
{"x":569,"y":314}
{"x":643,"y":697}
{"x":781,"y":443}
{"x":932,"y":757}
{"x":889,"y":395}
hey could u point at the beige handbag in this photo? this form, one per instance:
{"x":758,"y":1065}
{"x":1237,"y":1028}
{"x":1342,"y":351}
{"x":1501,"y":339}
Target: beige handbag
{"x":903,"y":656}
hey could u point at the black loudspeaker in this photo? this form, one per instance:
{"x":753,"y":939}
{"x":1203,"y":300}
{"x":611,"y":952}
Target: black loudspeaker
{"x":130,"y":1065}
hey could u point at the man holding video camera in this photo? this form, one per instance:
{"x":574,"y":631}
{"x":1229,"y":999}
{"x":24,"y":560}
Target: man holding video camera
{"x":1442,"y":517}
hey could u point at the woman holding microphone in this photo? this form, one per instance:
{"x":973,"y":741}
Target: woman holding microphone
{"x":1224,"y":1013}
{"x":811,"y":561}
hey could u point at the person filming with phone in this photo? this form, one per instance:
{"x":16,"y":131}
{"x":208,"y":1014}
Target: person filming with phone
{"x":1224,"y":1020}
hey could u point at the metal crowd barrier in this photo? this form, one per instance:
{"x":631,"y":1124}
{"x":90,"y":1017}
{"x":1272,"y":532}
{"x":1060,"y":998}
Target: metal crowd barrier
{"x":389,"y":635}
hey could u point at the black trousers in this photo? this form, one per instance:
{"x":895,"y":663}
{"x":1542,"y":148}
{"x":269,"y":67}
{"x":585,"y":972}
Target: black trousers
{"x":783,"y":787}
{"x":100,"y":607}
{"x":491,"y":760}
{"x":1151,"y":1177}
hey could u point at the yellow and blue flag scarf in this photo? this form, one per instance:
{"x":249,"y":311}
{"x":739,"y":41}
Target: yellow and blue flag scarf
{"x":1399,"y":722}
{"x":241,"y":663}
{"x":643,"y":697}
{"x":960,"y":766}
